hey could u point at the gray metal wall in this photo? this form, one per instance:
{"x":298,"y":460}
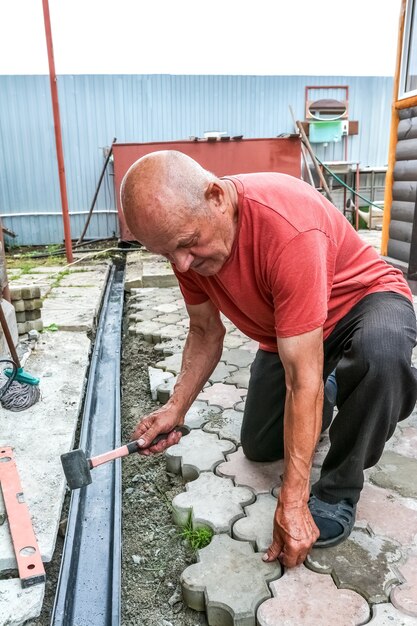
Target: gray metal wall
{"x":141,"y":108}
{"x":404,"y":191}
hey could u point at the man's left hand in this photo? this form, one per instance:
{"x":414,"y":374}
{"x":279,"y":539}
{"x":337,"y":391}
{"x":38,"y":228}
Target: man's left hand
{"x":294,"y":534}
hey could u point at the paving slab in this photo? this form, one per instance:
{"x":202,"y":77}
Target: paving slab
{"x":224,"y":396}
{"x":148,"y":330}
{"x":18,"y":605}
{"x":199,"y":413}
{"x":230,"y":594}
{"x":364,"y":563}
{"x":211,"y":501}
{"x":231,"y":342}
{"x":227,"y":424}
{"x":240,"y":406}
{"x":156,"y":378}
{"x":388,"y":514}
{"x":239,"y":357}
{"x":397,"y":472}
{"x":60,"y":361}
{"x":196,"y":453}
{"x":221,"y":372}
{"x":240,"y":378}
{"x":169,"y":331}
{"x":304,"y":598}
{"x":404,"y":442}
{"x":404,"y":597}
{"x":257,"y":526}
{"x":165,"y":390}
{"x":260,"y":477}
{"x":322,"y":449}
{"x":171,"y":363}
{"x":388,"y":615}
{"x":143,"y":316}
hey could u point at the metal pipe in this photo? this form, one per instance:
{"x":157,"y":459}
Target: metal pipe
{"x":58,"y":135}
{"x":90,"y":212}
{"x":57,"y":214}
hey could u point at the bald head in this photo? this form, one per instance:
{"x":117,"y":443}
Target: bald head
{"x":162,"y":187}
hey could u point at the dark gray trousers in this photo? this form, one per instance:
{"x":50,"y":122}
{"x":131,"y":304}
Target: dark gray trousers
{"x":370,"y":348}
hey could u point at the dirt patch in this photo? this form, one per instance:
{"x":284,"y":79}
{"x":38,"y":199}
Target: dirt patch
{"x":154,"y":553}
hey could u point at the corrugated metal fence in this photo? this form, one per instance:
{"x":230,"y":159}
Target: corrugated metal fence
{"x":141,"y":108}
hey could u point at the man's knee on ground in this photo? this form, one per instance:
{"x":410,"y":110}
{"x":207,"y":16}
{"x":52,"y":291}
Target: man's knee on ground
{"x":260,"y":452}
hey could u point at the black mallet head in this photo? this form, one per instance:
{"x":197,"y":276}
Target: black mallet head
{"x":76,"y":468}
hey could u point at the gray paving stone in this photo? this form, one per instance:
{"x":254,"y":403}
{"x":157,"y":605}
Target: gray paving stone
{"x":156,"y":378}
{"x":260,"y":477}
{"x":304,"y":598}
{"x":404,"y":596}
{"x":363,"y":563}
{"x":147,"y":330}
{"x":196,"y":453}
{"x":18,"y":605}
{"x":142,"y":316}
{"x":388,"y":615}
{"x":169,"y":318}
{"x":227,"y":424}
{"x":240,"y":378}
{"x":211,"y":501}
{"x":166,"y":307}
{"x":224,"y":396}
{"x":239,"y":357}
{"x":257,"y":526}
{"x":322,"y":449}
{"x":165,"y":390}
{"x":404,"y":442}
{"x":230,"y":593}
{"x":231,"y":342}
{"x":170,"y":331}
{"x":199,"y":413}
{"x":170,"y":347}
{"x":240,"y":406}
{"x":171,"y":363}
{"x":221,"y":372}
{"x":396,"y":472}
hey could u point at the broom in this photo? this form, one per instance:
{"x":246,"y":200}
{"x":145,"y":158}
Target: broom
{"x":21,"y":391}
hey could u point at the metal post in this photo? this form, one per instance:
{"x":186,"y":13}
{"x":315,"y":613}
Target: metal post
{"x":58,"y":136}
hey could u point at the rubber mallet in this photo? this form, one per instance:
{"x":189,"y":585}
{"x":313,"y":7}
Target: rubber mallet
{"x":77,"y":467}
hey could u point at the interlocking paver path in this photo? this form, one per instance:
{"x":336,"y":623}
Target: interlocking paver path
{"x":378,"y":562}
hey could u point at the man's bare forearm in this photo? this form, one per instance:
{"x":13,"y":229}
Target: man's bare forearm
{"x":202,"y":352}
{"x":302,"y":426}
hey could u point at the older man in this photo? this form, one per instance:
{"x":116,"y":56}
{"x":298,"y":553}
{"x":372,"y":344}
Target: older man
{"x":289,"y":271}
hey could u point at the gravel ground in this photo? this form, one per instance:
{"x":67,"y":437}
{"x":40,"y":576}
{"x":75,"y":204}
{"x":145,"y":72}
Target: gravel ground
{"x":154,"y":553}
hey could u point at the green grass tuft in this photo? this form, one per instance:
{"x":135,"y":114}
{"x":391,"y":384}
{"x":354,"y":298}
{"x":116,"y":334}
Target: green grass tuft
{"x":197,"y":537}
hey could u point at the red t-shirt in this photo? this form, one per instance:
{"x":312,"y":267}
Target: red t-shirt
{"x":296,"y":263}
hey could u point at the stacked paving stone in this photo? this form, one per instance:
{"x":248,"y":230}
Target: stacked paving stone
{"x":27,"y":304}
{"x":369,"y":578}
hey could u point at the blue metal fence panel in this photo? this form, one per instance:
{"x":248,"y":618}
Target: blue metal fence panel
{"x":142,"y":108}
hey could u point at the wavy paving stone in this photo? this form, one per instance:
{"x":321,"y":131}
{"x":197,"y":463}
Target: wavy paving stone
{"x":143,"y":316}
{"x":171,"y":363}
{"x":388,"y":615}
{"x":166,"y":307}
{"x":238,"y":357}
{"x":304,"y":598}
{"x":387,"y":514}
{"x":199,"y":413}
{"x":169,"y":318}
{"x":364,"y":563}
{"x":197,"y":452}
{"x":240,"y":406}
{"x":257,"y":526}
{"x":404,"y":597}
{"x":156,"y":378}
{"x":229,"y":593}
{"x":222,"y":395}
{"x":211,"y":501}
{"x":240,"y":378}
{"x":165,"y":390}
{"x":170,"y":346}
{"x":227,"y":424}
{"x":405,"y":441}
{"x":261,"y":477}
{"x":231,"y":342}
{"x":221,"y":372}
{"x":170,"y":331}
{"x":147,"y":330}
{"x":396,"y":472}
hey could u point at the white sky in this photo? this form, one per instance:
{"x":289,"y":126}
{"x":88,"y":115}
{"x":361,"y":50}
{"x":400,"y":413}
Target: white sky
{"x":314,"y":37}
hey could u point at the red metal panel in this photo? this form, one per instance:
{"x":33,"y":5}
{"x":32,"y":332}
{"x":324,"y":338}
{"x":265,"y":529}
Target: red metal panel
{"x":28,"y":557}
{"x":220,"y":157}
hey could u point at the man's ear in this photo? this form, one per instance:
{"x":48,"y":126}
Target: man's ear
{"x":215,"y":193}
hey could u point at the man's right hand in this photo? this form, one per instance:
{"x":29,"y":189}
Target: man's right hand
{"x":162,"y":420}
